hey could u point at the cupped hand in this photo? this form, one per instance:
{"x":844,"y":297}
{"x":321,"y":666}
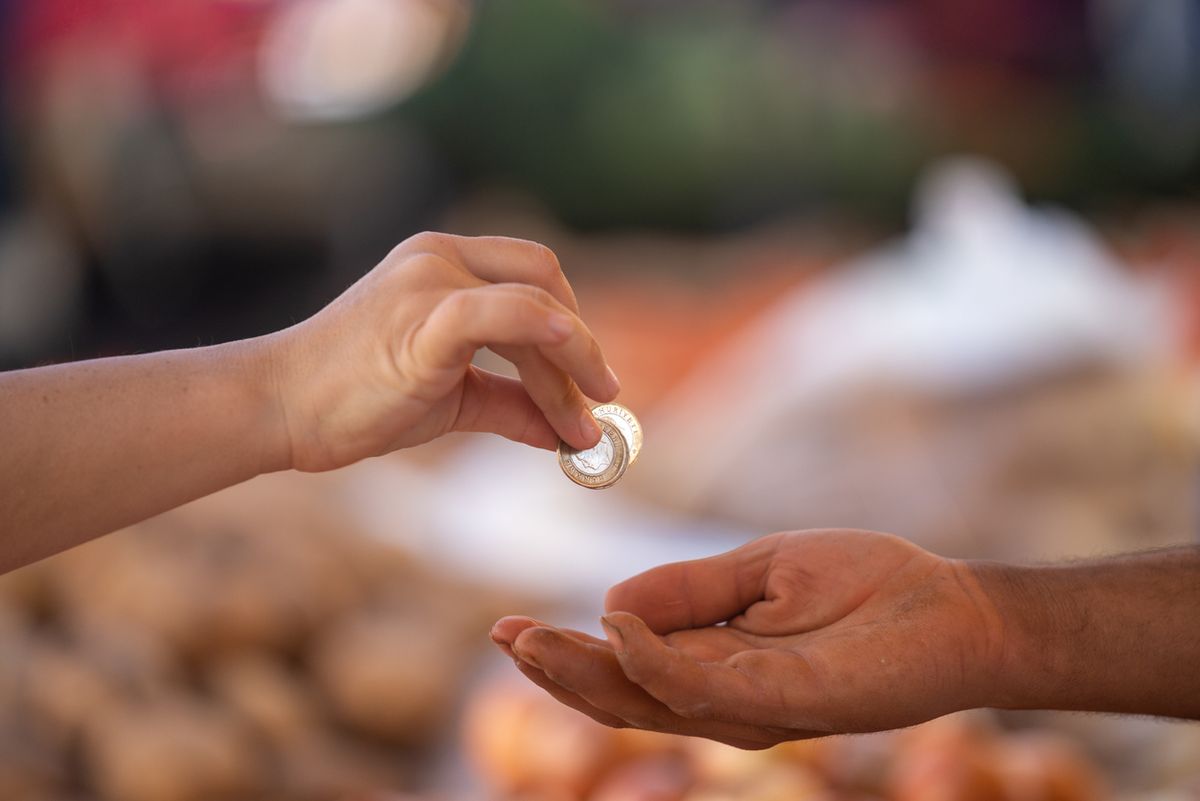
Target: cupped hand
{"x":388,"y":364}
{"x":792,"y":636}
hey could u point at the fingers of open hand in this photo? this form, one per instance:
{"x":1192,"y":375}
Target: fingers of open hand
{"x":568,"y":698}
{"x":757,"y":687}
{"x":584,"y":673}
{"x":506,"y":630}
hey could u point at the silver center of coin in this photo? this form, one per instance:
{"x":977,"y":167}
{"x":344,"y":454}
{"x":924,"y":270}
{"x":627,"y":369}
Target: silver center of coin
{"x":594,"y":460}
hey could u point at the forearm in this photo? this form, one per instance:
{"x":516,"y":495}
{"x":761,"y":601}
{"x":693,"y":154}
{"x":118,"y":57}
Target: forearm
{"x":1110,"y":635}
{"x":93,"y":446}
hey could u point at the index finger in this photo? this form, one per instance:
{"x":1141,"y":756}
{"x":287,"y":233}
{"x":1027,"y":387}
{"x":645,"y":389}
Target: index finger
{"x":702,"y":592}
{"x":587,"y":676}
{"x":766,"y":688}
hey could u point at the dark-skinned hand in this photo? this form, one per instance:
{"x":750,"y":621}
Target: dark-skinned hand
{"x":791,"y":636}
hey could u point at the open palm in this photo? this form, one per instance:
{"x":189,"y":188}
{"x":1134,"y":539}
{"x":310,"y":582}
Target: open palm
{"x":795,"y":635}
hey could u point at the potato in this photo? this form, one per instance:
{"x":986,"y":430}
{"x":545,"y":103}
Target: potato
{"x":267,"y":697}
{"x":949,"y":759}
{"x":388,"y":674}
{"x":29,"y":769}
{"x":64,"y":693}
{"x":176,"y":749}
{"x":1042,"y":766}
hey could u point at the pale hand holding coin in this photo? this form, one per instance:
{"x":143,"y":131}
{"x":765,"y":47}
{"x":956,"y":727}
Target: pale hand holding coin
{"x":385,"y":366}
{"x":388,"y":364}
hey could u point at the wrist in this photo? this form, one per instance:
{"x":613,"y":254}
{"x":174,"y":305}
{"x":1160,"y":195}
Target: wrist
{"x":1030,"y":665}
{"x":262,"y":369}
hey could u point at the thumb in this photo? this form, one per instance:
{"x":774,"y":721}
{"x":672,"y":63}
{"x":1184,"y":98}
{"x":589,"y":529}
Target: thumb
{"x":702,"y":592}
{"x":495,"y":404}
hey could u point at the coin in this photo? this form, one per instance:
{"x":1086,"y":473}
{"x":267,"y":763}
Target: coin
{"x":600,"y":466}
{"x":625,"y":422}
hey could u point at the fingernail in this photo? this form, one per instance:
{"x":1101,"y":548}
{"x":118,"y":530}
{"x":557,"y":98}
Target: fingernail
{"x":614,"y":383}
{"x":560,"y":325}
{"x":614,"y":633}
{"x":588,"y":427}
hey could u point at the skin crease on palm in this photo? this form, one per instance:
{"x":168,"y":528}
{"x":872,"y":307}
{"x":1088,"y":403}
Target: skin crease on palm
{"x":792,"y":636}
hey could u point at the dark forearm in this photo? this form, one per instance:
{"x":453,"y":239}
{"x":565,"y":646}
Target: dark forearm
{"x":94,"y":446}
{"x":1110,"y":635}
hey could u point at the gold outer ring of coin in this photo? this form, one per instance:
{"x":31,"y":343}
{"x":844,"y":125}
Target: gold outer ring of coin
{"x":611,"y":474}
{"x":626,"y":423}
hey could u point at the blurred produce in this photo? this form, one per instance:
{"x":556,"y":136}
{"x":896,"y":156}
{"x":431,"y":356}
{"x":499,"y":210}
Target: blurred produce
{"x":527,"y":747}
{"x":251,"y":645}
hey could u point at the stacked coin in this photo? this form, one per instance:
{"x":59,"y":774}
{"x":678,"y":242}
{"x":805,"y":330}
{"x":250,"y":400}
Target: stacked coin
{"x":603,"y":464}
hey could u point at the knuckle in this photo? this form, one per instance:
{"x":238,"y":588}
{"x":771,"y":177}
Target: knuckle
{"x":534,"y":309}
{"x":425,"y":241}
{"x":546,"y":261}
{"x":428,"y":264}
{"x":547,"y":256}
{"x":541,"y":258}
{"x":523,"y":311}
{"x":534,"y":295}
{"x":410,"y":273}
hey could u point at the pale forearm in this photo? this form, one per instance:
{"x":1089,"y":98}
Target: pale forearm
{"x":1110,"y":635}
{"x":94,"y":446}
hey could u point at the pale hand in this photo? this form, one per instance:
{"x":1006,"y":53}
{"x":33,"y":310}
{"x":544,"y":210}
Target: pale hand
{"x":388,"y":364}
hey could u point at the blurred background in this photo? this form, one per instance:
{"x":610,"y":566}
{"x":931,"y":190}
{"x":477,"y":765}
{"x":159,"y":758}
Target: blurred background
{"x":927,"y":267}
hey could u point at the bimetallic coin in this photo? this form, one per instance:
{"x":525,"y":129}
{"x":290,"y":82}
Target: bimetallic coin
{"x":625,"y":422}
{"x":599,"y":466}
